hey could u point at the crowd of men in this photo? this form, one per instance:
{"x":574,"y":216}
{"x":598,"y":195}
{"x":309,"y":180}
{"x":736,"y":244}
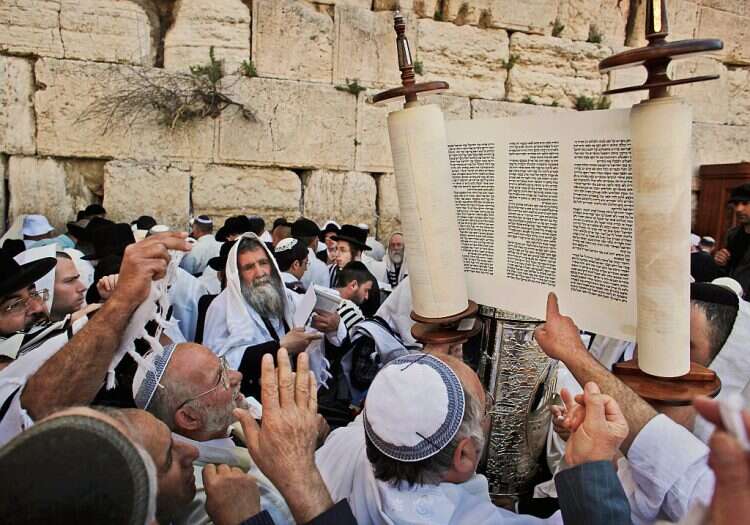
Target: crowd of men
{"x":158,"y":376}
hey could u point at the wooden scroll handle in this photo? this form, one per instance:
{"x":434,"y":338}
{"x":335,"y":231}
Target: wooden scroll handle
{"x":657,"y":55}
{"x":675,"y":391}
{"x":409,"y":88}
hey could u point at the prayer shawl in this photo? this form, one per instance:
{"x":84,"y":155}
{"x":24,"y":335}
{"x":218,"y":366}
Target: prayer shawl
{"x":184,"y":295}
{"x":347,"y":473}
{"x":232,"y":325}
{"x":732,"y":365}
{"x":375,"y":267}
{"x":47,"y":281}
{"x":316,"y":273}
{"x":396,"y":311}
{"x":223,"y":451}
{"x":395,"y":274}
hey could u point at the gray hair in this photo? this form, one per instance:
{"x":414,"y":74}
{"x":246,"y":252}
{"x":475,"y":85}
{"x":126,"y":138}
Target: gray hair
{"x":431,"y":470}
{"x":165,"y":401}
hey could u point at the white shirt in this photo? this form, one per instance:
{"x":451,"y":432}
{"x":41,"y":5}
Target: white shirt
{"x":316,"y":273}
{"x":347,"y":473}
{"x":196,"y":260}
{"x":665,"y":473}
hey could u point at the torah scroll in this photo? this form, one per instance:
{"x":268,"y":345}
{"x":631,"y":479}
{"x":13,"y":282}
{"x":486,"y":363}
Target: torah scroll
{"x":661,"y":130}
{"x":428,"y":212}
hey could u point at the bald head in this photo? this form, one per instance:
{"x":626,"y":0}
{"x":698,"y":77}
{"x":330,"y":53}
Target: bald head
{"x":469,"y":379}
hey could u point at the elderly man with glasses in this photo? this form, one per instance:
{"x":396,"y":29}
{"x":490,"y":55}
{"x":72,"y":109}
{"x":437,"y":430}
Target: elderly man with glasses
{"x":194,"y":393}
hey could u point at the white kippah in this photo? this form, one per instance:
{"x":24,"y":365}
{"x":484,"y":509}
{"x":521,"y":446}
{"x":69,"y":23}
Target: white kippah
{"x":145,"y":381}
{"x":363,"y":226}
{"x":203,"y":219}
{"x":285,"y":245}
{"x":730,"y":284}
{"x":414,"y":408}
{"x":159,"y":228}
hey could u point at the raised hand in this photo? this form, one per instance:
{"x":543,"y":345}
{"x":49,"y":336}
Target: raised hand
{"x":598,"y":428}
{"x":559,"y":336}
{"x":232,"y":496}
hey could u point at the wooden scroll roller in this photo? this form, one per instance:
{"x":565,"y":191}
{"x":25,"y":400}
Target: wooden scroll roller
{"x":661,"y":144}
{"x":441,"y":308}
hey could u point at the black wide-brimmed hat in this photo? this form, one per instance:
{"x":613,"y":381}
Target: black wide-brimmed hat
{"x":110,"y":240}
{"x":740,"y":193}
{"x":330,"y":227}
{"x":14,"y":276}
{"x":236,"y":225}
{"x":220,"y":263}
{"x":353,"y":235}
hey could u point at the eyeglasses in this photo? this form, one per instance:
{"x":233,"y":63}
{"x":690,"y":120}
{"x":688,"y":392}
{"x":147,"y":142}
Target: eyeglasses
{"x":21,"y":305}
{"x":223,"y":382}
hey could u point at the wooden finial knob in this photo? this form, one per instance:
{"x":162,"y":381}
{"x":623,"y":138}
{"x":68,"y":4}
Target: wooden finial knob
{"x":657,"y":55}
{"x":409,"y":88}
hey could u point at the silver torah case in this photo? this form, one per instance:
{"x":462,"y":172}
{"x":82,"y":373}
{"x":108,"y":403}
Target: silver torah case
{"x":522,"y":380}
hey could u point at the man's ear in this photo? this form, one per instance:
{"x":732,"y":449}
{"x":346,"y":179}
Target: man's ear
{"x":187,"y":418}
{"x":466,"y":457}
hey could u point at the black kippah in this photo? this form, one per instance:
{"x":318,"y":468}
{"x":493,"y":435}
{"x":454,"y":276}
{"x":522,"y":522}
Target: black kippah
{"x":713,"y":293}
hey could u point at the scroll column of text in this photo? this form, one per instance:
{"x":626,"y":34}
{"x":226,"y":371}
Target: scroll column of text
{"x":602,"y":218}
{"x":473,"y":171}
{"x":533,"y":171}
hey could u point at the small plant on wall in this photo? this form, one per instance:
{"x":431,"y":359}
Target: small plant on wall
{"x":170,"y":98}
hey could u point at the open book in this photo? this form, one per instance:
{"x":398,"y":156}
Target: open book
{"x":545,"y":203}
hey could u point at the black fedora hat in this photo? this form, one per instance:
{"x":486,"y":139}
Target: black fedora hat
{"x":110,"y":240}
{"x":236,"y":225}
{"x":220,"y":263}
{"x":86,"y":234}
{"x":18,"y":276}
{"x":330,"y":227}
{"x":353,"y":235}
{"x":304,"y":227}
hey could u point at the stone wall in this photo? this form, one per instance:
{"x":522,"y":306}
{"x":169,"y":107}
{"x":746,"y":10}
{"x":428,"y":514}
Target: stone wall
{"x":314,"y":144}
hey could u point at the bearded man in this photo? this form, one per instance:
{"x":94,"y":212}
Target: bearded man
{"x":253,"y":315}
{"x":395,"y":261}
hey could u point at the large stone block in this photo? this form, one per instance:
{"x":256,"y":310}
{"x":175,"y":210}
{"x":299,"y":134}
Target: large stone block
{"x":421,"y":8}
{"x":389,"y":219}
{"x":17,"y":125}
{"x":554,"y":70}
{"x":373,"y":144}
{"x":578,"y":16}
{"x":612,"y":21}
{"x":297,"y":124}
{"x":470,"y":59}
{"x":683,"y":19}
{"x":739,"y":97}
{"x":202,"y":24}
{"x":132,"y":188}
{"x":52,"y":187}
{"x":364,"y":48}
{"x":732,"y":28}
{"x":717,"y":144}
{"x":125,"y":31}
{"x":709,"y":100}
{"x":348,"y":197}
{"x":529,"y":16}
{"x":223,"y":191}
{"x":292,"y":40}
{"x":485,"y":109}
{"x":66,"y":126}
{"x":30,"y":27}
{"x":361,"y":4}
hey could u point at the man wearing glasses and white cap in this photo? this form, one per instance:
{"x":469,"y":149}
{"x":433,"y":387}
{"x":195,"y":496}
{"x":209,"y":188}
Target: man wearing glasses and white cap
{"x":194,"y":392}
